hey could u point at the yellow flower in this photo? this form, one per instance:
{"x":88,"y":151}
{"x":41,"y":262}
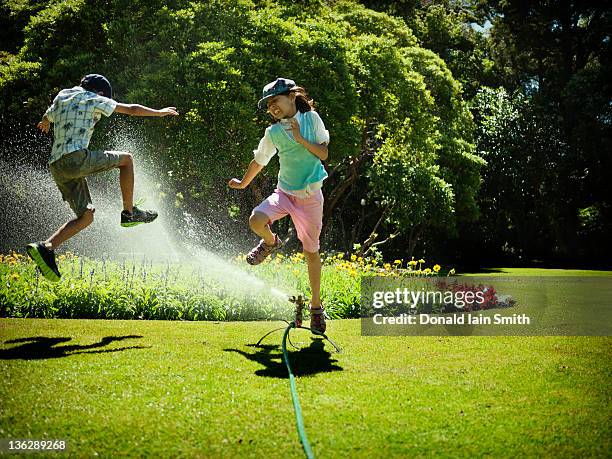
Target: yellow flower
{"x":427,"y":271}
{"x":14,"y":276}
{"x":421,"y":261}
{"x":451,"y":272}
{"x":340,"y":256}
{"x":387,"y":266}
{"x":353,"y":257}
{"x":436,"y":268}
{"x":397,"y":262}
{"x":412,"y":262}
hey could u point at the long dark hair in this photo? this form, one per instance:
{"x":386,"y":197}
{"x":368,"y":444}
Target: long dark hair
{"x":302,"y":102}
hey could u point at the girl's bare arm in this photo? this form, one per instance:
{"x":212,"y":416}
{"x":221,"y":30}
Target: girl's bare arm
{"x":320,"y":150}
{"x":252,"y":171}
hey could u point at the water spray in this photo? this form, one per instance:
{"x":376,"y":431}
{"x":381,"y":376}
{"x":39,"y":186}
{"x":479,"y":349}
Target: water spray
{"x":300,"y":304}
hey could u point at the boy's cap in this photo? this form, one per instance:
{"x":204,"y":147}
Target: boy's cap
{"x":97,"y":83}
{"x":278,"y":86}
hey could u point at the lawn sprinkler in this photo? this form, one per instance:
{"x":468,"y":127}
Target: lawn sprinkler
{"x":299,"y":307}
{"x":300,"y":304}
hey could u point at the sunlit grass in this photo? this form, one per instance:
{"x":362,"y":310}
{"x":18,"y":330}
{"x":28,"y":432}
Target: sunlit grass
{"x":115,"y":388}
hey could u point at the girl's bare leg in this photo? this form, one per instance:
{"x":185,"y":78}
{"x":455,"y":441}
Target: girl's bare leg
{"x":314,"y":275}
{"x":259,"y":224}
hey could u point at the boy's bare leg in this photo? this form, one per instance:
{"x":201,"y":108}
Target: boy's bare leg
{"x":126,"y":180}
{"x":314,"y":275}
{"x":259,"y":224}
{"x":69,"y":229}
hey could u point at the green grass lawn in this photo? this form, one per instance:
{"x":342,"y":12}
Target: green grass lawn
{"x":172,"y":389}
{"x":539,"y":272}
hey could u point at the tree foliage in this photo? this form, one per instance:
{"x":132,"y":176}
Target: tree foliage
{"x":545,"y":128}
{"x":554,"y":59}
{"x":398,"y":122}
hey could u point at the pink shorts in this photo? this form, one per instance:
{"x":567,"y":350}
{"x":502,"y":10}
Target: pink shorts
{"x":306,"y":214}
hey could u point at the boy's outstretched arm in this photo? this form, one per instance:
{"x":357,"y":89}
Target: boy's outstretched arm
{"x":249,"y":175}
{"x":141,"y":110}
{"x":44,"y":124}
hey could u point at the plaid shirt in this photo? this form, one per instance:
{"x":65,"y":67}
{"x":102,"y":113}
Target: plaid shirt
{"x":74,"y":113}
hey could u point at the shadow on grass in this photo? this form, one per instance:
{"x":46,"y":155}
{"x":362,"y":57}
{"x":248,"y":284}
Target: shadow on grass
{"x":43,"y":347}
{"x":306,"y":361}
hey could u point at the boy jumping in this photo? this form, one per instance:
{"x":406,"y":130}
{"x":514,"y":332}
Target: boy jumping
{"x":74,"y":113}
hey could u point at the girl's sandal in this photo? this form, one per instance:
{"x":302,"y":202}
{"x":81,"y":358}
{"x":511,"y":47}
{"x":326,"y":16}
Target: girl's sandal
{"x":317,"y":319}
{"x":262,"y":251}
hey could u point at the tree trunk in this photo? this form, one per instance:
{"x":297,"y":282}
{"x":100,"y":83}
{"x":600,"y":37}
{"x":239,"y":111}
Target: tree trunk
{"x":413,"y":238}
{"x":355,"y":163}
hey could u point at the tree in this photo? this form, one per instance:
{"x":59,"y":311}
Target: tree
{"x":558,"y":54}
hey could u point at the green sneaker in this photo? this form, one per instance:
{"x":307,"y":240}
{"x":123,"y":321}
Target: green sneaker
{"x":45,"y":260}
{"x":137,"y":217}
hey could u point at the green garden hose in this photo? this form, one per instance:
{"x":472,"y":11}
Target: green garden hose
{"x":296,"y":401}
{"x":299,"y":420}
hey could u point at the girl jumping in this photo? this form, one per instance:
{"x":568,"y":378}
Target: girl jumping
{"x":300,"y":138}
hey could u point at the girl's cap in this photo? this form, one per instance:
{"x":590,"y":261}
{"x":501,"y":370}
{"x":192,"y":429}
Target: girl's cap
{"x":278,"y":86}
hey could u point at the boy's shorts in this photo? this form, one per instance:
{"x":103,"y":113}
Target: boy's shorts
{"x":306,"y":214}
{"x":70,"y":170}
